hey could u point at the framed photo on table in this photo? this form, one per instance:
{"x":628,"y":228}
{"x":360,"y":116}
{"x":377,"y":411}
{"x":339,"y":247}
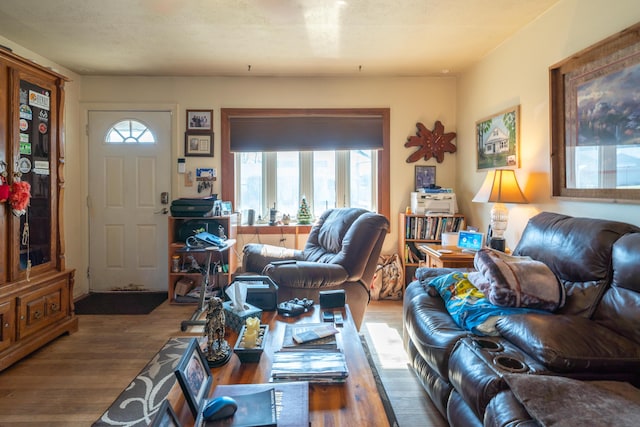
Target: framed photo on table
{"x":194,"y":376}
{"x":198,"y":144}
{"x":166,"y":417}
{"x":200,"y":120}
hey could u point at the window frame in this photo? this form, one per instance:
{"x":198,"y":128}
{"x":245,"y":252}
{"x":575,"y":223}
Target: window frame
{"x":227,"y":161}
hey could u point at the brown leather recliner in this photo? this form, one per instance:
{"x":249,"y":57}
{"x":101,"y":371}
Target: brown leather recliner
{"x":341,"y":253}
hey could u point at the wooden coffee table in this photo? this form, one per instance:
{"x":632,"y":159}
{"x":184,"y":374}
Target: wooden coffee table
{"x":356,"y":402}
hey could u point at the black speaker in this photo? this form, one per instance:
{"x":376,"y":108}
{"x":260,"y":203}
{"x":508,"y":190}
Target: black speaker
{"x":333,"y":299}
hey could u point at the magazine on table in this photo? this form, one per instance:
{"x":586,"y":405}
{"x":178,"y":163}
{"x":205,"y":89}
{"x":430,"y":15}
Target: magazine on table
{"x":317,"y":366}
{"x":314,"y":331}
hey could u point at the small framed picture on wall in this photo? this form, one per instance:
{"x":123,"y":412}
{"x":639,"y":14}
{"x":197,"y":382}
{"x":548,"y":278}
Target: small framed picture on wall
{"x":425,"y":177}
{"x":198,"y":144}
{"x":200,"y":120}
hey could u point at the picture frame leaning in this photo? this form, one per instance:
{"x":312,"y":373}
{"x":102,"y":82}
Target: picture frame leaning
{"x":194,"y":376}
{"x":425,"y":177}
{"x":166,"y":416}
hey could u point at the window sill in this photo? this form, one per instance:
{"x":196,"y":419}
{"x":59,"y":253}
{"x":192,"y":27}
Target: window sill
{"x":274,"y":229}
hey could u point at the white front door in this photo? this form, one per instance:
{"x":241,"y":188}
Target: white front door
{"x":129,"y":161}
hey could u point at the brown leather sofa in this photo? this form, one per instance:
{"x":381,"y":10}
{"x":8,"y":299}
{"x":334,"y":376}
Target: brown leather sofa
{"x":594,"y":337}
{"x":341,"y":253}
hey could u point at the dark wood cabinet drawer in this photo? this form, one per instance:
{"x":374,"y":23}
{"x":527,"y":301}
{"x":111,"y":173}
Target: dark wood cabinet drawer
{"x":42,"y":307}
{"x":7,"y":323}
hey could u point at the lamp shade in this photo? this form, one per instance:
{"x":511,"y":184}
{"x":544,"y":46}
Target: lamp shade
{"x":500,"y":186}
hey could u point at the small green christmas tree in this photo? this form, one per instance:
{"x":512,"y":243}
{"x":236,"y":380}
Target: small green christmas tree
{"x":304,"y":212}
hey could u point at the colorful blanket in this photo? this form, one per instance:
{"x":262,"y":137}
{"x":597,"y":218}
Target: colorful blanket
{"x":469,"y":307}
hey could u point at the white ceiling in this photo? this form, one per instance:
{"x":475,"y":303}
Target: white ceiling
{"x":272,"y":37}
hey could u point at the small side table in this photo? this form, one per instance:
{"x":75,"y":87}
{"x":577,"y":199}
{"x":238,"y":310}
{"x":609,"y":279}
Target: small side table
{"x":438,"y":256}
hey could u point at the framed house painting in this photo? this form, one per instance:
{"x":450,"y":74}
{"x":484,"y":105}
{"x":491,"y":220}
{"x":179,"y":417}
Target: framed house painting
{"x":498,"y":139}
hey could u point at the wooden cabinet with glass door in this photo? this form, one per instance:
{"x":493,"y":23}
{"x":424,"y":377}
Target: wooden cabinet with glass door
{"x":36,"y":288}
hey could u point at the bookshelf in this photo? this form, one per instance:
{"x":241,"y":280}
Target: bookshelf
{"x":415,"y":229}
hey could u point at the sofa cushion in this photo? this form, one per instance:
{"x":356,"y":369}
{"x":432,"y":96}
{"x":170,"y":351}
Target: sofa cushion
{"x":565,"y":343}
{"x":620,"y":306}
{"x":562,"y":401}
{"x":428,"y":324}
{"x":578,"y":251}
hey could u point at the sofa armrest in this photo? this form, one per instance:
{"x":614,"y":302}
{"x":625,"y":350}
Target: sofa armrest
{"x":256,"y":256}
{"x":305,"y":274}
{"x":566,"y":343}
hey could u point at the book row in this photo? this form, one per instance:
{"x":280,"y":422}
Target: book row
{"x":432,"y":227}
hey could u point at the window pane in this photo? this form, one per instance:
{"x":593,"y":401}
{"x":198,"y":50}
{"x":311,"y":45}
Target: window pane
{"x":628,"y":166}
{"x":130,"y":132}
{"x":361,"y":179}
{"x":324,"y":181}
{"x":288,"y":182}
{"x":250,"y":196}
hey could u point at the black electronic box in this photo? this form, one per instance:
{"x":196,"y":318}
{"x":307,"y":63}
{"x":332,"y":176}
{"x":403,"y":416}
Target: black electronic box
{"x":193,"y":207}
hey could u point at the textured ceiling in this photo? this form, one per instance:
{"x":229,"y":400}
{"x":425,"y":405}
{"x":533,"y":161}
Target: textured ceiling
{"x":265,"y":37}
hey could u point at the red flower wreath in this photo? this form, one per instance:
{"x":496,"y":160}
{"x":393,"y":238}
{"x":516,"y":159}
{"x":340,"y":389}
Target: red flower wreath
{"x":19,"y":197}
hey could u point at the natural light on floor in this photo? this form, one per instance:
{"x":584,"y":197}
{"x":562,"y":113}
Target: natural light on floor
{"x":387,"y":344}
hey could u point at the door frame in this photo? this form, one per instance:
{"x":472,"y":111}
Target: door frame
{"x":82,"y":269}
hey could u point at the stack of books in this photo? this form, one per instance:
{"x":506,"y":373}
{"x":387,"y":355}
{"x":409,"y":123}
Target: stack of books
{"x":310,"y":353}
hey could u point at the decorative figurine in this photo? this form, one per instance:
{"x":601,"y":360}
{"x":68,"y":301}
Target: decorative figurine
{"x":251,"y":331}
{"x":218,"y":351}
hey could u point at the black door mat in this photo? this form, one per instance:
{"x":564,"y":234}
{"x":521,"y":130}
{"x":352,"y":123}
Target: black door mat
{"x":120,"y":302}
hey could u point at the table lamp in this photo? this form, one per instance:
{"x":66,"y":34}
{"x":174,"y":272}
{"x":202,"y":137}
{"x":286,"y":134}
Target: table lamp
{"x":500,"y":186}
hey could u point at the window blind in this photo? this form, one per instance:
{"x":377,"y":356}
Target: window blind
{"x":305,"y":133}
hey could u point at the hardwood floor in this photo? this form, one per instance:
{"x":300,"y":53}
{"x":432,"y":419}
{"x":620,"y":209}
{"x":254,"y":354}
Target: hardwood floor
{"x":71,"y":381}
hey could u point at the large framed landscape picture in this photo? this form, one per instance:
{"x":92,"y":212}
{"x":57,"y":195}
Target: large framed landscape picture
{"x":498,"y":139}
{"x":595,"y":121}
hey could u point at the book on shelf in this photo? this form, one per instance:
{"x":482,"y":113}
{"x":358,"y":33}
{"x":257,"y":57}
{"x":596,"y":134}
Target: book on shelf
{"x":310,"y":336}
{"x":412,"y":254}
{"x":308,"y":365}
{"x":431,"y":227}
{"x":291,"y":403}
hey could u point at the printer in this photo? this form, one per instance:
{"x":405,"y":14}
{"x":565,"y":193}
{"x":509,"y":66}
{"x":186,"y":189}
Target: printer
{"x":433,"y":203}
{"x":193,"y":207}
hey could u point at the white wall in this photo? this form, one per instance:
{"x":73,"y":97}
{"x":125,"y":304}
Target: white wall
{"x":517,"y":73}
{"x":411,"y":100}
